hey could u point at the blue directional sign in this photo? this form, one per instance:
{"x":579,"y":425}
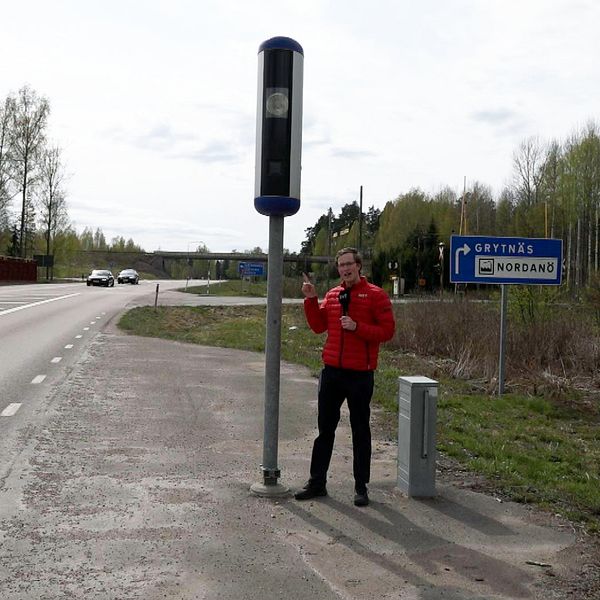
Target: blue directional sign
{"x":499,"y":260}
{"x":248,"y":269}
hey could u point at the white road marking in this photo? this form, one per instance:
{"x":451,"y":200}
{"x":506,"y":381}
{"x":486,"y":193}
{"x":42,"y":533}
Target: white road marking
{"x":92,"y":322}
{"x":12,"y":310}
{"x":68,"y":346}
{"x":86,"y":328}
{"x":78,"y":337}
{"x":38,"y":379}
{"x":11,"y":409}
{"x":56,"y":359}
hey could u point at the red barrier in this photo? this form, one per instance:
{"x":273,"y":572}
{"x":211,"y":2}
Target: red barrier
{"x":17,"y":269}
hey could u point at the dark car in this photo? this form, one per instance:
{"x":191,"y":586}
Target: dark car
{"x":128,"y":276}
{"x":101,"y":277}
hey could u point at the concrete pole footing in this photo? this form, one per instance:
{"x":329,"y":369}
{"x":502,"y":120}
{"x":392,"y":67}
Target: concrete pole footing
{"x":269,"y":491}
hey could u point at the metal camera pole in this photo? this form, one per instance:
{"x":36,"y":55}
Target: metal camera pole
{"x":277,"y":195}
{"x":270,"y":469}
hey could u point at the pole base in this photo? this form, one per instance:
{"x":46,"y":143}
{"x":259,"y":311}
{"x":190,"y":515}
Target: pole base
{"x":269,"y":491}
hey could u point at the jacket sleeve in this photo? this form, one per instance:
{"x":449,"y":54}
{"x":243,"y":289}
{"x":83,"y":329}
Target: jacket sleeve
{"x":383,"y":326}
{"x":316,"y":314}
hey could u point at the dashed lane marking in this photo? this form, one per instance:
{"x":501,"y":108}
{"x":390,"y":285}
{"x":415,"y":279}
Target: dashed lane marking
{"x":38,"y":379}
{"x":11,"y":409}
{"x":78,"y":337}
{"x":68,"y":346}
{"x":56,"y":359}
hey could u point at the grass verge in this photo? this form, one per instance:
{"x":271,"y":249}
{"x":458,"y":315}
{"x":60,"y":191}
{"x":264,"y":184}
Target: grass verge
{"x":530,"y":449}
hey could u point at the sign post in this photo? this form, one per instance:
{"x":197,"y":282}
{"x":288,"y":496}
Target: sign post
{"x":277,"y":195}
{"x":502,"y":261}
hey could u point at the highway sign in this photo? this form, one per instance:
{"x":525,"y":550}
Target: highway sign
{"x":499,"y":260}
{"x":249,"y":269}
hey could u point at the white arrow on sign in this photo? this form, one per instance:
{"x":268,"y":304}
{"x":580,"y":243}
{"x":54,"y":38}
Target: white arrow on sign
{"x":465,"y":250}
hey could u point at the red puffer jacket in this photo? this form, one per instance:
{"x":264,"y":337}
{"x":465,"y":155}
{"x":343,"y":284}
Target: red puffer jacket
{"x":370,"y":307}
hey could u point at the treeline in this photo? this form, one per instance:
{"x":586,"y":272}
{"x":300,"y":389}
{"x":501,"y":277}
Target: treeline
{"x":32,"y":176}
{"x":554,"y":192}
{"x":33,"y":207}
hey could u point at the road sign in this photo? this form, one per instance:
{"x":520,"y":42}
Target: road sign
{"x":500,"y":260}
{"x":248,"y":269}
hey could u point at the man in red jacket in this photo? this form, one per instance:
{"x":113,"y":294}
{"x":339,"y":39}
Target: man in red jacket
{"x":357,"y":316}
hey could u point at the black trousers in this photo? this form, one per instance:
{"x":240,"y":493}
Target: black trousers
{"x":335,"y":386}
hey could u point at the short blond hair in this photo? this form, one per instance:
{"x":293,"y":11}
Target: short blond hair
{"x":350,"y":250}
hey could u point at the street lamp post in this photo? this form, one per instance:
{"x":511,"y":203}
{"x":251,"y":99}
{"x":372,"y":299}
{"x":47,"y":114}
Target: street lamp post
{"x":189,"y":260}
{"x":441,"y":247}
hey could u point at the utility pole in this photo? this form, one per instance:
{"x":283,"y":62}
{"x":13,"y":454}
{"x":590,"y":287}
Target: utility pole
{"x":360,"y":222}
{"x":329,"y":216}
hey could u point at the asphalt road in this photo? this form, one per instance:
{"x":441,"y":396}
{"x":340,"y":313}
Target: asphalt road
{"x":45,"y":327}
{"x":128,"y":474}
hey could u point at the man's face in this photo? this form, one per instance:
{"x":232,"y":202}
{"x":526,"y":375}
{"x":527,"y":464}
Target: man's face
{"x":348,"y":269}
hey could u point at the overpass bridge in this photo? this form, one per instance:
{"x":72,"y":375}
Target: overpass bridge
{"x":231,"y":256}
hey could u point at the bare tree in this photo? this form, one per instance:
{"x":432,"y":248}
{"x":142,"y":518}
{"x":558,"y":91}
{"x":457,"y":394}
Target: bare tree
{"x":51,"y":197}
{"x":28,"y":127}
{"x":528,"y":162}
{"x":5,"y":161}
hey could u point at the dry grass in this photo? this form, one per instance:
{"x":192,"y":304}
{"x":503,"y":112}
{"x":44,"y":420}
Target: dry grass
{"x":557,"y":352}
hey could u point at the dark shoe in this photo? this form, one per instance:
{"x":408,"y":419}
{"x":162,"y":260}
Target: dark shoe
{"x":311,"y":491}
{"x":361,"y":498}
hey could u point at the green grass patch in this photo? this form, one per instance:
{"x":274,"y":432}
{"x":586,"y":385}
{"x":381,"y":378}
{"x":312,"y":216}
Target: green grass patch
{"x":254,"y":289}
{"x":530,"y":449}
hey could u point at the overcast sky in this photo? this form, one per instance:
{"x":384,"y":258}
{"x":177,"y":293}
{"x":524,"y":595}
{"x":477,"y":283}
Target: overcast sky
{"x":153,"y":102}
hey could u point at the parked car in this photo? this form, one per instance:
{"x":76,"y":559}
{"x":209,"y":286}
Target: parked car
{"x":101,"y":277}
{"x":128,"y":276}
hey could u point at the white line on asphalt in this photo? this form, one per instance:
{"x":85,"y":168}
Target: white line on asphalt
{"x":78,"y":337}
{"x":68,"y":346}
{"x":86,"y":328}
{"x":38,"y":379}
{"x":92,"y":322}
{"x":12,"y":310}
{"x":11,"y":409}
{"x":56,"y":359}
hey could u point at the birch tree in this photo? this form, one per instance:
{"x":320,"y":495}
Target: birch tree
{"x":28,"y":127}
{"x":5,"y":163}
{"x":51,"y":197}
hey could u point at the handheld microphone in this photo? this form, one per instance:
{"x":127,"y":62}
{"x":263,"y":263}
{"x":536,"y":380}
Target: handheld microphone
{"x":344,"y":299}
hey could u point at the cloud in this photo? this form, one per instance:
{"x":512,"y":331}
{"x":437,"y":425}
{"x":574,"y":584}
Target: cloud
{"x":351,"y":153}
{"x":505,"y":121}
{"x":213,"y":152}
{"x":162,"y":138}
{"x":499,"y":116}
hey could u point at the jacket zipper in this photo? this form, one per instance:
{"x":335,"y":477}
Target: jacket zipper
{"x":341,"y":345}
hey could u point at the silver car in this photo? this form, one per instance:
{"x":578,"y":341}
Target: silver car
{"x":128,"y":276}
